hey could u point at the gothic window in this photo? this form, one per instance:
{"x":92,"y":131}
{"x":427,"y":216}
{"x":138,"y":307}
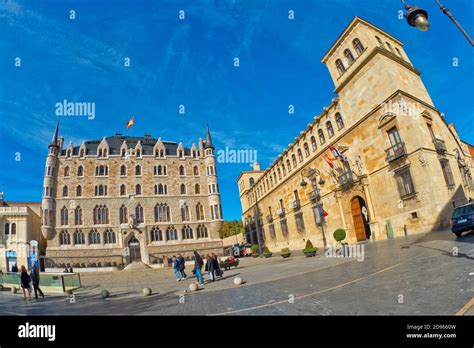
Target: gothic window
{"x":359,"y":48}
{"x":197,"y":189}
{"x":196,"y":170}
{"x":199,"y":212}
{"x":185,"y":212}
{"x":181,"y":170}
{"x":123,"y":214}
{"x":123,"y":170}
{"x":64,"y":217}
{"x":156,"y":235}
{"x":123,"y":190}
{"x":101,"y":190}
{"x":138,"y":190}
{"x":79,"y":238}
{"x":65,"y":193}
{"x":101,"y":215}
{"x":171,"y":233}
{"x":183,"y":189}
{"x":139,"y":153}
{"x":80,"y":171}
{"x":94,"y":237}
{"x":64,"y":238}
{"x":321,"y":136}
{"x":329,"y":129}
{"x":202,"y":231}
{"x":78,"y":191}
{"x":81,"y":153}
{"x":339,"y":121}
{"x":139,"y":218}
{"x":138,"y":170}
{"x":101,"y":170}
{"x":66,"y":171}
{"x":162,"y":212}
{"x":187,"y":232}
{"x":109,"y":237}
{"x":349,"y":56}
{"x":78,"y":216}
{"x":100,"y":153}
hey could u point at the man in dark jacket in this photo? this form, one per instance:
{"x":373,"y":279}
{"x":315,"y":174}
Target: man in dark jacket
{"x":198,"y":263}
{"x":210,"y":268}
{"x":35,"y":278}
{"x":217,"y":268}
{"x":182,"y":265}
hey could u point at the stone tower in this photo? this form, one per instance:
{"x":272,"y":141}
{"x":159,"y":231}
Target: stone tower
{"x":49,"y":186}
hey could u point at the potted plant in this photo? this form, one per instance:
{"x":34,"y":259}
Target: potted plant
{"x":267,"y":253}
{"x":339,"y":235}
{"x":285,"y":253}
{"x":309,"y":250}
{"x":254,"y":249}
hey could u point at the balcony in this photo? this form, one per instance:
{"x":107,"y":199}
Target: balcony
{"x":281,"y":212}
{"x":440,"y":146}
{"x":345,"y":178}
{"x":270,"y":219}
{"x":295,"y":205}
{"x":395,"y":152}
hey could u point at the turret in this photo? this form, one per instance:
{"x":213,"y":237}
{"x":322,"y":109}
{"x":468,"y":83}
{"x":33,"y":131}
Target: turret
{"x":49,"y":185}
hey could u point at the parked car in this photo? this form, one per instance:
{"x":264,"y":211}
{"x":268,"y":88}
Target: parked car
{"x":462,"y":219}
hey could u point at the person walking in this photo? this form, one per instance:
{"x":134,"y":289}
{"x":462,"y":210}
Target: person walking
{"x":198,"y":263}
{"x":210,"y":268}
{"x":217,"y":269}
{"x":25,"y":283}
{"x":35,"y":278}
{"x":182,"y":266}
{"x":176,"y":270}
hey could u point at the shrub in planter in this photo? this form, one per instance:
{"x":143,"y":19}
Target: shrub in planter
{"x":254,"y":249}
{"x":339,"y":236}
{"x":267,"y":253}
{"x":309,"y":250}
{"x":285,"y":252}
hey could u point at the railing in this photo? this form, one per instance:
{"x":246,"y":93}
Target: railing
{"x":345,"y":178}
{"x":281,"y":212}
{"x":440,"y":145}
{"x":296,"y":204}
{"x":396,"y":151}
{"x":49,"y":282}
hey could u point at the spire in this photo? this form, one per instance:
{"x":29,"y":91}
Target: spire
{"x":54,"y":139}
{"x":208,"y":139}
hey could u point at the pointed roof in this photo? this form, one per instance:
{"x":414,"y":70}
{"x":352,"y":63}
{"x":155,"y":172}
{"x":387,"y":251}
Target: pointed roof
{"x":54,"y":139}
{"x":208,"y":139}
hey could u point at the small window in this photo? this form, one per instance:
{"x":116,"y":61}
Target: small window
{"x":300,"y":157}
{"x":405,"y":183}
{"x":380,"y":42}
{"x":359,"y":48}
{"x":322,"y":140}
{"x":313,"y":143}
{"x":349,"y":57}
{"x":329,"y":129}
{"x":339,"y":121}
{"x":306,"y":149}
{"x":340,"y":67}
{"x":447,"y":173}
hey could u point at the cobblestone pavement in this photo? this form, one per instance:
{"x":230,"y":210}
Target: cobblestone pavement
{"x":412,"y":275}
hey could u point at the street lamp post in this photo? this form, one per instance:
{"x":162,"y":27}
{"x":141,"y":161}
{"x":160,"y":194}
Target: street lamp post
{"x":417,"y":17}
{"x":312,"y":175}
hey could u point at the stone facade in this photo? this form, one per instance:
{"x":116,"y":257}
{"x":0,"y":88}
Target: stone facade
{"x":20,"y":223}
{"x":121,"y":199}
{"x":380,"y":159}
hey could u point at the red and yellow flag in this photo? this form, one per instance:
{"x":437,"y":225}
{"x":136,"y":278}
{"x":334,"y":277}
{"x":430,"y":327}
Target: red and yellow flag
{"x":129,"y":123}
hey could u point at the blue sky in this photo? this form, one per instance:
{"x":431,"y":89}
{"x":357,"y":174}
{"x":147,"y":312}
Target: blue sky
{"x":190,"y":62}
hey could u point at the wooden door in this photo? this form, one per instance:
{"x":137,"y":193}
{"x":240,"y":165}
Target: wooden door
{"x":358,"y":220}
{"x":134,"y":246}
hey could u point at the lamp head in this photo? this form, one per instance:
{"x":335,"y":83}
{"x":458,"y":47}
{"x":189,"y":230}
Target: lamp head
{"x":417,"y":17}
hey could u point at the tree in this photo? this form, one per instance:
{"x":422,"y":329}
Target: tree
{"x":231,"y":228}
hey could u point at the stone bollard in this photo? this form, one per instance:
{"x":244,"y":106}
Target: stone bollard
{"x":14,"y":290}
{"x":193,"y":287}
{"x":146,"y":291}
{"x":105,"y":294}
{"x":237,"y":281}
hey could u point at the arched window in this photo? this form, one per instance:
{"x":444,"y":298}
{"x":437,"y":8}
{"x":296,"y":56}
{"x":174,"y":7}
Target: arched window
{"x":321,"y":136}
{"x":183,"y":189}
{"x":68,"y":153}
{"x":123,"y":190}
{"x":64,"y":238}
{"x":313,"y":143}
{"x":349,"y":56}
{"x":329,"y":129}
{"x":101,"y":190}
{"x":7,"y":228}
{"x":101,"y":215}
{"x":65,"y":193}
{"x":293,"y":158}
{"x":181,"y":170}
{"x":94,"y":237}
{"x":79,"y":237}
{"x":123,"y":170}
{"x":14,"y":227}
{"x":306,"y":149}
{"x":156,"y":235}
{"x":197,"y":189}
{"x":199,"y":212}
{"x":64,"y":217}
{"x":196,"y":170}
{"x":187,"y":232}
{"x":139,"y":217}
{"x":380,"y":42}
{"x":138,"y":190}
{"x":283,"y":169}
{"x":138,"y":170}
{"x":251,"y":181}
{"x":78,"y":191}
{"x":279,"y":174}
{"x":101,"y":170}
{"x":162,"y":212}
{"x":339,"y":121}
{"x":109,"y":237}
{"x":81,"y":153}
{"x":358,"y":46}
{"x":300,"y":155}
{"x":340,"y":67}
{"x":124,"y":153}
{"x":123,"y":214}
{"x":105,"y":153}
{"x":202,"y":231}
{"x":185,"y":212}
{"x":288,"y":164}
{"x":389,"y":46}
{"x":139,"y":153}
{"x":171,"y":233}
{"x":398,"y":51}
{"x":100,"y":153}
{"x":78,"y":216}
{"x":80,"y":171}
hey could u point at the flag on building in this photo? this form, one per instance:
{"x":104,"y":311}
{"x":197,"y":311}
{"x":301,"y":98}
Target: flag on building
{"x":130,"y":123}
{"x":329,"y":160}
{"x":337,"y":154}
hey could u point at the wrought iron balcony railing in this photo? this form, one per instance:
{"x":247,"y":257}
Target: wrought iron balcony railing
{"x":396,"y":151}
{"x":440,"y":146}
{"x":345,"y":178}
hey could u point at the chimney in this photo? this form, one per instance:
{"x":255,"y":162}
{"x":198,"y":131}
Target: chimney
{"x":256,"y":166}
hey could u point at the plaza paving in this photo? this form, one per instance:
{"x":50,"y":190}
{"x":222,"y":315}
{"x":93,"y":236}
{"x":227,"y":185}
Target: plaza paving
{"x":413,"y":275}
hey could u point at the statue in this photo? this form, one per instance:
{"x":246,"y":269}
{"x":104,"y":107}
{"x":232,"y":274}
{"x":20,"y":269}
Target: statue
{"x":131,"y":221}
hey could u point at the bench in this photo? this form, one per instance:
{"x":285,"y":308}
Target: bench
{"x":226,"y":265}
